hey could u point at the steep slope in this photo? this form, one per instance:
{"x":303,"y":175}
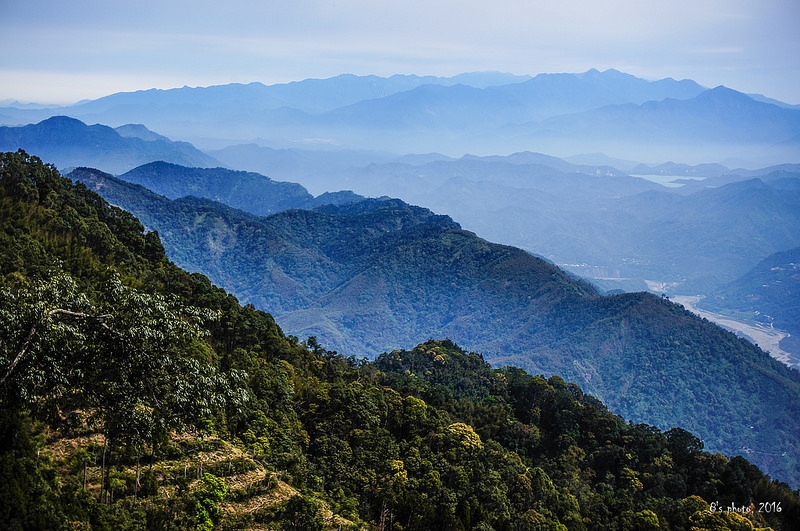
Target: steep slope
{"x":372,"y":276}
{"x":298,"y":437}
{"x":68,"y":143}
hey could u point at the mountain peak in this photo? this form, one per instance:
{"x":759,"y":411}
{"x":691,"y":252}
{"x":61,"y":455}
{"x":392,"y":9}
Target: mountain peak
{"x":722,"y":92}
{"x":138,"y":131}
{"x":62,"y":120}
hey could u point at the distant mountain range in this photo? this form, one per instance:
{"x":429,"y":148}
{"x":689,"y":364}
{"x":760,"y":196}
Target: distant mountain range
{"x":68,"y":143}
{"x":707,"y":125}
{"x":564,"y":114}
{"x":622,"y":231}
{"x":376,"y":275}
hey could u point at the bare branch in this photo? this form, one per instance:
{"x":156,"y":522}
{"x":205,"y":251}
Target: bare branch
{"x":21,"y":353}
{"x":78,"y":314}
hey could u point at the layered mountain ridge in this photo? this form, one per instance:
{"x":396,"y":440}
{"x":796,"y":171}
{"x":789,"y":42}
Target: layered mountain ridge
{"x":688,"y":235}
{"x":368,"y":277}
{"x":563,"y":114}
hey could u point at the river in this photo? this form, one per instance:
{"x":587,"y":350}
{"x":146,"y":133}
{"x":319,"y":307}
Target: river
{"x":767,"y":338}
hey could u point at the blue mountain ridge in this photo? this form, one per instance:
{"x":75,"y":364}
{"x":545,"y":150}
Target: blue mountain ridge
{"x":68,"y":142}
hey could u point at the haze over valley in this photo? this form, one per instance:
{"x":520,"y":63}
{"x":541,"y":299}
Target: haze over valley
{"x":623,"y":224}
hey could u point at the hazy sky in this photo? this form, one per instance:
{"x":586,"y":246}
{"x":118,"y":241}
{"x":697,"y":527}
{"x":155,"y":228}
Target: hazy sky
{"x":61,"y":51}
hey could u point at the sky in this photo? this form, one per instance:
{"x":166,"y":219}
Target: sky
{"x":61,"y":51}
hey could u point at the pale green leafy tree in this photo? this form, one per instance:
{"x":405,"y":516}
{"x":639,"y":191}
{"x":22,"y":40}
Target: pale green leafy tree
{"x":136,"y":363}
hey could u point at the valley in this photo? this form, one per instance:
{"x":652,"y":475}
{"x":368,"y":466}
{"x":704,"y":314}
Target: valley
{"x":767,"y":338}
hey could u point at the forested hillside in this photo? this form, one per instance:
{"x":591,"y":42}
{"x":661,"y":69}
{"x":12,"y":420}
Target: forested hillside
{"x":135,"y":395}
{"x":379,"y":275}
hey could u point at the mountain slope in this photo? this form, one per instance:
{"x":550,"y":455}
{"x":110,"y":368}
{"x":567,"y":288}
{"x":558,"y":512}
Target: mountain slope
{"x":298,"y":437}
{"x":68,"y":143}
{"x":599,"y":222}
{"x":248,"y":191}
{"x":371,"y":276}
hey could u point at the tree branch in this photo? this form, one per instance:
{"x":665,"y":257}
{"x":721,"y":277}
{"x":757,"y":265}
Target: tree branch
{"x":26,"y":344}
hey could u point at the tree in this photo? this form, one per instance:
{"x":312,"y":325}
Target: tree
{"x":300,"y":513}
{"x":211,"y":492}
{"x":136,"y":362}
